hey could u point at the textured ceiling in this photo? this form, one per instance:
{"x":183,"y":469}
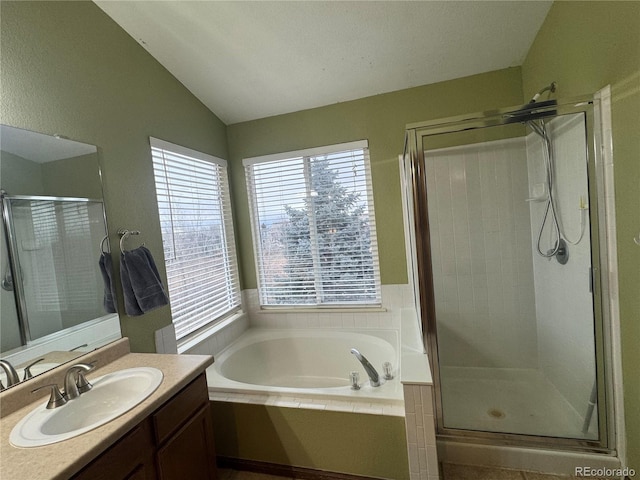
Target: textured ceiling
{"x":246,"y":60}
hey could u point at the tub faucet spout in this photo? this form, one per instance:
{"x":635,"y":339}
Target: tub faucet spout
{"x":373,"y":374}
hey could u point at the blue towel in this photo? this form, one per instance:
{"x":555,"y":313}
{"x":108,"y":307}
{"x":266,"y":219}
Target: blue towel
{"x":109,"y":288}
{"x":141,"y":284}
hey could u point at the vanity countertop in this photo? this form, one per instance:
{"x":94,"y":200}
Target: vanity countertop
{"x":62,"y":460}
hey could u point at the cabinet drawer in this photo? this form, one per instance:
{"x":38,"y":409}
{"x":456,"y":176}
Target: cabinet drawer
{"x":180,"y":408}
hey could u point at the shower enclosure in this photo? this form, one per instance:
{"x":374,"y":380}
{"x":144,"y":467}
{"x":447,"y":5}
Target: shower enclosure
{"x":507,"y":259}
{"x":53,"y":252}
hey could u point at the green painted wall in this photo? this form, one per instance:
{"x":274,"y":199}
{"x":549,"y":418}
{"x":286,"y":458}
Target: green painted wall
{"x":359,"y":444}
{"x":20,"y":176}
{"x":73,"y":177}
{"x":381,"y":120}
{"x":584,"y":46}
{"x":67,"y":68}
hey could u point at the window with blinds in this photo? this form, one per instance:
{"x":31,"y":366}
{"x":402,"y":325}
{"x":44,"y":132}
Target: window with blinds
{"x":314,"y":227}
{"x":197,"y":235}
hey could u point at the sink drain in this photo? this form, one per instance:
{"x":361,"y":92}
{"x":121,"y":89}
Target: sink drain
{"x":495,"y":413}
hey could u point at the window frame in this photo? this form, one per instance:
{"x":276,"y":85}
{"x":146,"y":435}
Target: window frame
{"x":220,"y":181}
{"x":306,"y":155}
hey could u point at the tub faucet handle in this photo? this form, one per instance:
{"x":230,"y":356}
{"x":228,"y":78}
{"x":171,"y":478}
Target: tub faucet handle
{"x":387,"y":369}
{"x":355,"y":379}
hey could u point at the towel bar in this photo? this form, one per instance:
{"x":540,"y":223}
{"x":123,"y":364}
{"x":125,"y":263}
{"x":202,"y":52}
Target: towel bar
{"x":124,"y":233}
{"x":106,"y":237}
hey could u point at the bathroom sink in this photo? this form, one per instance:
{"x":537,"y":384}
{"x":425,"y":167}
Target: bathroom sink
{"x":112,"y":395}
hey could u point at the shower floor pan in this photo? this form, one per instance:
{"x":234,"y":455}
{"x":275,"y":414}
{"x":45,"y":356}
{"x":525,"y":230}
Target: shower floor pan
{"x":519,"y":401}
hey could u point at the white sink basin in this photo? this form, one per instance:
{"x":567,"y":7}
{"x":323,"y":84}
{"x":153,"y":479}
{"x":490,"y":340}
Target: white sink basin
{"x":112,"y":395}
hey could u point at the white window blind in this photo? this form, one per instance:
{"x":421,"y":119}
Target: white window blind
{"x":58,"y":255}
{"x":197,"y":235}
{"x":314,"y":227}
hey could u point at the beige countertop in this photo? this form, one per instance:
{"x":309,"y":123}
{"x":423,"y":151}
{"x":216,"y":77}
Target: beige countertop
{"x":62,"y":460}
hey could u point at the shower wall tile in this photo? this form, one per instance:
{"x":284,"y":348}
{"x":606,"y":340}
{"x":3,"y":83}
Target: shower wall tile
{"x":563,"y":301}
{"x":480,"y":232}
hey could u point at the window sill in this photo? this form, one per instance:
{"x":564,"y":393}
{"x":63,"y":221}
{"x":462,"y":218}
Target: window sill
{"x":362,"y":309}
{"x":190,"y":341}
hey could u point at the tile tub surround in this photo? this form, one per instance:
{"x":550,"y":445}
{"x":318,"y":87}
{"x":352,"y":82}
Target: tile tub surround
{"x":418,"y":392}
{"x":414,"y":368}
{"x":61,"y":460}
{"x":421,"y":432}
{"x":392,"y":409}
{"x":394,"y":299}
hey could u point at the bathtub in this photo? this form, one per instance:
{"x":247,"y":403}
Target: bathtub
{"x":312,"y":365}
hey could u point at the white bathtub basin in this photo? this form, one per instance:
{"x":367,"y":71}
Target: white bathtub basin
{"x":308,"y":362}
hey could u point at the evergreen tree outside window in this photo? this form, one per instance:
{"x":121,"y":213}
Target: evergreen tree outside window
{"x":314,"y":227}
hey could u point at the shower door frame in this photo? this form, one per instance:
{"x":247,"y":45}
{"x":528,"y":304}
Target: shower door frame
{"x":416,"y":134}
{"x":13,"y":253}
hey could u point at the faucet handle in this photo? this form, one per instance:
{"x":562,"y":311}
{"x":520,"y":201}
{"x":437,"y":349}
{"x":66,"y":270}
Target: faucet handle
{"x":27,"y":369}
{"x":82,"y":383}
{"x":355,"y":379}
{"x":56,"y":399}
{"x":387,"y":368}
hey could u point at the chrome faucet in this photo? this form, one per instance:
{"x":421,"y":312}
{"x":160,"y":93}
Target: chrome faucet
{"x":12,"y":375}
{"x":27,"y":369}
{"x":74,"y":382}
{"x":373,"y":374}
{"x":74,"y":385}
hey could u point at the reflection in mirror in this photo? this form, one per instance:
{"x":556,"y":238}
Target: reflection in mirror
{"x":53,"y":227}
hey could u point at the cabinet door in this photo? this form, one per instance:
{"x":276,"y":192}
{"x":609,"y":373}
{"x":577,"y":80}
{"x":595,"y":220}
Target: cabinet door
{"x":190,"y":453}
{"x":131,"y":458}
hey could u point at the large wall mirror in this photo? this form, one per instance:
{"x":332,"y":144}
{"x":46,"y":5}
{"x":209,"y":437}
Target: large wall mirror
{"x":52,"y":249}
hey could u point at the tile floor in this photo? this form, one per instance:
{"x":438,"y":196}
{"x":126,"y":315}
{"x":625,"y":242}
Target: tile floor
{"x":450,"y":471}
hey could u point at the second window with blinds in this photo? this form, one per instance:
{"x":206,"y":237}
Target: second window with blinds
{"x":197,"y":236}
{"x":314,"y":227}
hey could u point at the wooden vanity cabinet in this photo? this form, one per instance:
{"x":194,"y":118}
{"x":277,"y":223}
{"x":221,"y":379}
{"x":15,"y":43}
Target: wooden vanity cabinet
{"x":173,"y":443}
{"x":131,"y":458}
{"x":184,"y":435}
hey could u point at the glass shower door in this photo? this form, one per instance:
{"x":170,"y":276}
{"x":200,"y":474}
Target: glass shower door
{"x":509,"y":243}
